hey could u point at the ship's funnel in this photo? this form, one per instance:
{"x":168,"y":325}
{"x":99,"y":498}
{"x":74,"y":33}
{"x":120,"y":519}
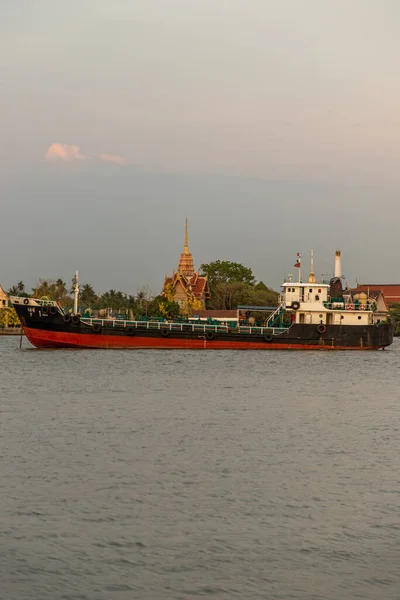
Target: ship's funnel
{"x":338,"y":264}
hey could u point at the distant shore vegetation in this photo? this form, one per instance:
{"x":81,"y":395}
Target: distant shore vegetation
{"x":394,"y":312}
{"x":231,"y":284}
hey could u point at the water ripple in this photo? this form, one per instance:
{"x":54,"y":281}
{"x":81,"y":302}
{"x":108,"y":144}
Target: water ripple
{"x":173,"y":475}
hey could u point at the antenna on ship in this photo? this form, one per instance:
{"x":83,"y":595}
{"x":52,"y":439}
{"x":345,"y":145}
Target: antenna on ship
{"x":76,"y":292}
{"x":311,"y":277}
{"x":298,"y":265}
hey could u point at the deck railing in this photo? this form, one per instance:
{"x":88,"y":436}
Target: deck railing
{"x":274,"y":315}
{"x":194,"y":327}
{"x":369,"y":306}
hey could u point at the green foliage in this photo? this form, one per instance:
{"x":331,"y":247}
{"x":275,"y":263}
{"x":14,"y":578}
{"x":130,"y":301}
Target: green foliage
{"x":114,"y":299}
{"x":161,"y":307}
{"x":394,"y":312}
{"x":232,"y":284}
{"x":228,"y":296}
{"x":53,"y":290}
{"x":225,"y":271}
{"x":9,"y":318}
{"x":87,"y":296}
{"x":143,"y":300}
{"x":18,"y":290}
{"x":140,"y":306}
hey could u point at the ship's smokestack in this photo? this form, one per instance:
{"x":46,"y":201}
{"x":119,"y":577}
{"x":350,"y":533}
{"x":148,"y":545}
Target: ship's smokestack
{"x":338,"y":264}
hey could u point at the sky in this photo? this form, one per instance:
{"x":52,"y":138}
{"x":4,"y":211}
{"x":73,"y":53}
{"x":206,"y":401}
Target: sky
{"x":272,"y":125}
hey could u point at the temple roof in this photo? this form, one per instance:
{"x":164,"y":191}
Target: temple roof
{"x":197,"y":285}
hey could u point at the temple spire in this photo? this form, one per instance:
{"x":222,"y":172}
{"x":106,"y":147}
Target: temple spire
{"x":186,"y":265}
{"x":186,"y":244}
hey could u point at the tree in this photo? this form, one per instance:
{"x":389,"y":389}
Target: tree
{"x":161,"y":307}
{"x":169,"y":291}
{"x":394,"y":313}
{"x":113,"y":299}
{"x":87,"y":296}
{"x":53,"y":290}
{"x":225,"y":271}
{"x":17,"y":290}
{"x":143,"y":300}
{"x":9,"y":318}
{"x":232,"y":284}
{"x":194,"y":305}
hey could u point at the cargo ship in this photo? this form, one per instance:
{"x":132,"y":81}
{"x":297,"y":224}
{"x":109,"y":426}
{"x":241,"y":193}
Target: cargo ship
{"x":309,"y":316}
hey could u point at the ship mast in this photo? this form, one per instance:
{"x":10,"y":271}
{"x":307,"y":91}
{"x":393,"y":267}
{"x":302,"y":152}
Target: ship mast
{"x":311,"y":277}
{"x":76,"y":292}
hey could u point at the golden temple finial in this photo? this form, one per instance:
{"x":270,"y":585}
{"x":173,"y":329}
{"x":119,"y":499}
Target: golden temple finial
{"x":186,"y":244}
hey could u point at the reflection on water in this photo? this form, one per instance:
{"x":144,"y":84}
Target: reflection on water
{"x":140,"y":474}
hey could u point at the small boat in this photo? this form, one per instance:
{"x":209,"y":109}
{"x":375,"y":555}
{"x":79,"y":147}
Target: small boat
{"x":310,"y":316}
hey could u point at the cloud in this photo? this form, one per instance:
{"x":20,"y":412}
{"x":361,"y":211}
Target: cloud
{"x":112,"y":158}
{"x":63,"y":152}
{"x":68,"y":153}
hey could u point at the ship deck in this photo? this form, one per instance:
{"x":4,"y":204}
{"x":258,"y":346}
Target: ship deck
{"x":184,"y":326}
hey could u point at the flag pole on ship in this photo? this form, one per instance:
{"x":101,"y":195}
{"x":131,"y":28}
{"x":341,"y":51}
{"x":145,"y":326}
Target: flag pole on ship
{"x":298,"y":265}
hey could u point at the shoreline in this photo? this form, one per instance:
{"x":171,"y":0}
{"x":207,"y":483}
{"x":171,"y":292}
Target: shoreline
{"x":11,"y":331}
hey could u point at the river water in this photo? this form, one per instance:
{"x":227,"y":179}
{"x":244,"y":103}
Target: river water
{"x":178,"y":475}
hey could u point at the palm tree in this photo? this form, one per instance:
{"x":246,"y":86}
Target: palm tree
{"x":17,"y":290}
{"x":88,"y":296}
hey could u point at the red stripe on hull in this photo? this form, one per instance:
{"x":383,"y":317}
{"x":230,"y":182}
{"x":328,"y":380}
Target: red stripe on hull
{"x":58,"y":339}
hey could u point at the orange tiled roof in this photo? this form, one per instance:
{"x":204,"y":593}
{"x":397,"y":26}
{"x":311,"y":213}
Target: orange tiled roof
{"x":196,"y":284}
{"x":391,"y":291}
